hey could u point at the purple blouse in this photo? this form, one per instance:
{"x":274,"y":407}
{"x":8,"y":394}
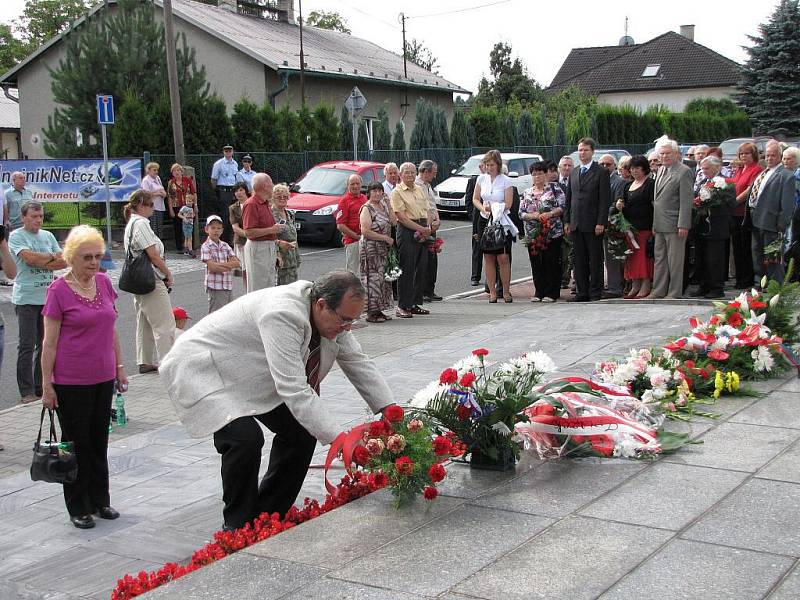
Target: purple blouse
{"x":85,"y":350}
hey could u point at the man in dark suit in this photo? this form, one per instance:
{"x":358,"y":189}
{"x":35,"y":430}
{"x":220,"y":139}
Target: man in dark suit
{"x":586,"y":215}
{"x":771,"y":205}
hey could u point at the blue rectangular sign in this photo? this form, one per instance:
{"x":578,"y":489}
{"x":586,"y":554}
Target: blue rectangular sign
{"x":75,"y":180}
{"x":105,"y":109}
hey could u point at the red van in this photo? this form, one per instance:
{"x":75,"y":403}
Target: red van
{"x":315,"y":197}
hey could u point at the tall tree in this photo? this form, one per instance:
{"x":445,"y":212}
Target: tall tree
{"x":325,"y":19}
{"x":459,"y":135}
{"x":130,"y":136}
{"x":12,"y":50}
{"x":399,"y":139}
{"x":382,"y":134}
{"x":770,"y":83}
{"x":45,"y":19}
{"x":246,"y":131}
{"x":345,"y":131}
{"x":510,"y":80}
{"x":98,"y":58}
{"x":326,"y":127}
{"x":526,"y":136}
{"x":421,"y":55}
{"x":289,"y":130}
{"x":441,"y":138}
{"x":268,"y":124}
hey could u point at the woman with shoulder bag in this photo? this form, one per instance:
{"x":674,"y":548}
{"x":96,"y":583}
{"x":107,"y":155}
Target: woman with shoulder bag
{"x":494,"y":197}
{"x":81,"y":359}
{"x":155,"y":325}
{"x":636,"y":205}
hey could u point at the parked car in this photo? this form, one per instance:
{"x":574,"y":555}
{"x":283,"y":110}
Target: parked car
{"x":450,"y":193}
{"x":314,"y":197}
{"x":730,"y":147}
{"x":617,"y":153}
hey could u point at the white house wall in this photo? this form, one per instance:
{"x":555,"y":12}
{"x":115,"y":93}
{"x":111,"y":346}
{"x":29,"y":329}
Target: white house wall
{"x":675,"y":100}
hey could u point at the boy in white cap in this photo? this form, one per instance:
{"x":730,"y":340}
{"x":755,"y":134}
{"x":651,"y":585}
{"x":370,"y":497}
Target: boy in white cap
{"x":220,"y":262}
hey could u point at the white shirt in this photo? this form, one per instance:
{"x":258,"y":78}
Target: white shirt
{"x":767,"y":174}
{"x":387,"y":188}
{"x":494,"y":192}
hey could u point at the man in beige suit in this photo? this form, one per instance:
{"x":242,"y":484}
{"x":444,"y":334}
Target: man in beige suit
{"x":261,"y":358}
{"x":672,"y":219}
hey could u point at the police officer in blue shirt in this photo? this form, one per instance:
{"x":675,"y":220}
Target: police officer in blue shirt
{"x":223,"y":178}
{"x":246,"y":173}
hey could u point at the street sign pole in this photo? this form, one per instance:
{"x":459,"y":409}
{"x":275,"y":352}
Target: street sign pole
{"x":105,"y":116}
{"x":355,"y":103}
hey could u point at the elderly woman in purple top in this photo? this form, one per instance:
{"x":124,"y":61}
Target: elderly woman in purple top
{"x":81,"y":359}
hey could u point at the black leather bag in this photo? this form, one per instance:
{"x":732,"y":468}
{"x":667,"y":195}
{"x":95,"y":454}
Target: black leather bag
{"x":137,"y":275}
{"x":493,"y":238}
{"x":53,"y":461}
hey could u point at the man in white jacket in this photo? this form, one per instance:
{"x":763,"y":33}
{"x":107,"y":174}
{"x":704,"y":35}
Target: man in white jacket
{"x":261,"y":358}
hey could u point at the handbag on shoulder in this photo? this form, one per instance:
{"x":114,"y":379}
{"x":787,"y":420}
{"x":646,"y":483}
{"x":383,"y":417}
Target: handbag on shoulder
{"x":137,"y":275}
{"x":53,"y":461}
{"x":494,"y":237}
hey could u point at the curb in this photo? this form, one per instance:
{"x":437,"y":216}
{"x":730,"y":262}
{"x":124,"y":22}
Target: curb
{"x":479,"y":290}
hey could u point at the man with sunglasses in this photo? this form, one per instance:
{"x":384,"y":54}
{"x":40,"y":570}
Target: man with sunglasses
{"x":261,"y":358}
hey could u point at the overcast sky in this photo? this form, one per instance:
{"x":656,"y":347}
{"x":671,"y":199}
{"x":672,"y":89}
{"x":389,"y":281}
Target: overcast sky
{"x":540,"y":33}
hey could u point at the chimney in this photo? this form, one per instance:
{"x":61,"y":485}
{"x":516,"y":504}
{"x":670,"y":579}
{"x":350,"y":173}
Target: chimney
{"x":687,"y":31}
{"x":285,"y":10}
{"x":230,"y":5}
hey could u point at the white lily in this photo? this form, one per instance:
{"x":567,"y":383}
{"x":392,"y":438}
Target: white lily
{"x":763,"y":282}
{"x":773,"y":302}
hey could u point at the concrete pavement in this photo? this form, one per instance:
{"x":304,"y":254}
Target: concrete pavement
{"x":715,"y":520}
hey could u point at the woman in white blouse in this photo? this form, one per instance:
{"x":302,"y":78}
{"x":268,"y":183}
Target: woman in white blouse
{"x":493,"y":197}
{"x":152,"y":183}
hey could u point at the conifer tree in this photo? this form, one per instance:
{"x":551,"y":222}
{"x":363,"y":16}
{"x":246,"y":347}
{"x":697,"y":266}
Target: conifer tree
{"x":525,"y":133}
{"x":363,"y":143}
{"x":326,"y":127}
{"x":382,"y":135}
{"x":289,"y":132}
{"x":246,"y":130}
{"x":345,"y":131}
{"x":399,"y":138}
{"x":770,"y":84}
{"x":441,"y":138}
{"x":268,"y":124}
{"x":459,"y":135}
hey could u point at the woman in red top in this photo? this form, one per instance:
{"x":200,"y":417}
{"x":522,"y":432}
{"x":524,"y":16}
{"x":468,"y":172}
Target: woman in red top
{"x":740,"y":215}
{"x":178,"y":187}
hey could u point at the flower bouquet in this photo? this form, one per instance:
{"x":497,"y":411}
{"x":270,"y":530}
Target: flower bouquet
{"x":576,"y":417}
{"x":399,"y":452}
{"x":715,"y":192}
{"x":536,"y":237}
{"x":620,"y":237}
{"x":392,"y":271}
{"x":435,"y":245}
{"x":480,"y":409}
{"x":655,"y":378}
{"x":773,"y":252}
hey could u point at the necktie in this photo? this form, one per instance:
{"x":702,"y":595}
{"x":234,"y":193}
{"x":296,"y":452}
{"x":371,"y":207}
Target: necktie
{"x":753,"y":200}
{"x":583,"y":170}
{"x":312,"y":362}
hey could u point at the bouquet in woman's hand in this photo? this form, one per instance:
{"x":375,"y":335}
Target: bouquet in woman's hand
{"x":536,"y":236}
{"x":392,"y":271}
{"x":621,"y":237}
{"x":435,"y":245}
{"x":715,"y":192}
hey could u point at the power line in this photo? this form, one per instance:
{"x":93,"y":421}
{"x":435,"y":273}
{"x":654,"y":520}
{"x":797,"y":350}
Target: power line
{"x":458,"y":10}
{"x":373,"y":17}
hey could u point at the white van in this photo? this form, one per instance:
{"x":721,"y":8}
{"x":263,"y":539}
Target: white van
{"x":450,"y":193}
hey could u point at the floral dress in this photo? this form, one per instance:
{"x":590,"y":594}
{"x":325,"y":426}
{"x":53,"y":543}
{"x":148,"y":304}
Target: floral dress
{"x":373,"y":255}
{"x":551,"y":198}
{"x":290,"y":258}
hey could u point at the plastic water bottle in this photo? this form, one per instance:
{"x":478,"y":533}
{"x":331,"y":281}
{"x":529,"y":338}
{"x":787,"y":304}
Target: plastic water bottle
{"x":122,"y":419}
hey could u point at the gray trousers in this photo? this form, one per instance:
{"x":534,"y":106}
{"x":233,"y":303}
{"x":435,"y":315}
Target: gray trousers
{"x":218,"y":298}
{"x":761,"y":238}
{"x":670,"y":253}
{"x":352,"y":261}
{"x":29,"y":353}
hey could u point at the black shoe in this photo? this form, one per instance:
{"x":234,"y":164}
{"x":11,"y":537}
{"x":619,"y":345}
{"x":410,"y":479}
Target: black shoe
{"x":610,"y":295}
{"x":714,"y":295}
{"x":147,"y":369}
{"x":432,"y":298}
{"x":83,"y":521}
{"x":106,"y":512}
{"x":576,"y":299}
{"x":474,"y":282}
{"x":226,"y":527}
{"x":698,"y":293}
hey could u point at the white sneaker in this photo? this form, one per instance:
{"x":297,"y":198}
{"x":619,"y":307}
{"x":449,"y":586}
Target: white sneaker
{"x":535,"y":299}
{"x":547,"y":299}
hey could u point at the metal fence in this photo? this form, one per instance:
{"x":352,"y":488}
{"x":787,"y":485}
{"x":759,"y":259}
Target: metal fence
{"x":287,"y":167}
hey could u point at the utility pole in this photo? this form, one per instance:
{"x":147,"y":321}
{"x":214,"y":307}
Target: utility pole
{"x":402,"y":18}
{"x":302,"y":61}
{"x":174,"y":91}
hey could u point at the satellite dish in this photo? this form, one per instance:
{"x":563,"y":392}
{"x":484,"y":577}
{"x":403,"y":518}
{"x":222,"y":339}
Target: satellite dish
{"x":35,"y":139}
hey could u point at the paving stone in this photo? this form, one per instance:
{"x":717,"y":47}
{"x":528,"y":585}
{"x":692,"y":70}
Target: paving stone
{"x":790,"y":384}
{"x":789,"y":588}
{"x":666,"y":495}
{"x":151,"y":542}
{"x":778,"y":409}
{"x":559,"y":487}
{"x":785,"y":467}
{"x":332,"y":541}
{"x":736,"y":446}
{"x":550,"y":565}
{"x":335,"y":589}
{"x":465,"y":482}
{"x":241,"y":576}
{"x":433,"y":558}
{"x":761,"y":515}
{"x":13,"y":590}
{"x":685,"y":569}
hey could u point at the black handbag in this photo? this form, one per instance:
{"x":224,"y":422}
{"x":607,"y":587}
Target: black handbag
{"x":53,"y":461}
{"x":137,"y":275}
{"x":494,"y":237}
{"x":650,"y":247}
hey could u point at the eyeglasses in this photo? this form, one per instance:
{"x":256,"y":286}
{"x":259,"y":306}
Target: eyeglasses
{"x":343,"y":322}
{"x":690,"y":155}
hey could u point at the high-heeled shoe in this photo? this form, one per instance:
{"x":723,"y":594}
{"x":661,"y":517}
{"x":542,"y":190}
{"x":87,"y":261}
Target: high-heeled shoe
{"x":493,"y":300}
{"x":508,"y":299}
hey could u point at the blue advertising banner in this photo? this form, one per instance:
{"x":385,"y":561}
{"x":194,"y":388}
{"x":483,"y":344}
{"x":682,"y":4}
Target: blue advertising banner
{"x":75,"y":180}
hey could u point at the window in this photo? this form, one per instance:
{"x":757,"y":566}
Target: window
{"x":651,"y":70}
{"x":367,"y":177}
{"x":517,"y":166}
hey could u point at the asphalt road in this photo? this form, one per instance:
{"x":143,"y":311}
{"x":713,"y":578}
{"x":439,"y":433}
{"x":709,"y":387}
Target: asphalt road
{"x":453,"y":278}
